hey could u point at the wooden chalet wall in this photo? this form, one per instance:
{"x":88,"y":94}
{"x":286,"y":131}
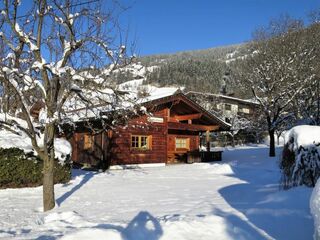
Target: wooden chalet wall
{"x":180,"y":155}
{"x":123,"y":153}
{"x":94,"y":155}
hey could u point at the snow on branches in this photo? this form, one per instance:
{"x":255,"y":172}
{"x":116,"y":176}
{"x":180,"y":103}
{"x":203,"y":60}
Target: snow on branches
{"x":282,"y":69}
{"x":53,"y":51}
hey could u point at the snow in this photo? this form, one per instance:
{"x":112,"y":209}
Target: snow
{"x":137,"y":69}
{"x":26,"y":38}
{"x":315,"y":209}
{"x":248,"y":101}
{"x":238,"y":198}
{"x":304,"y":135}
{"x":37,"y":64}
{"x":94,"y":233}
{"x":9,"y":139}
{"x":77,"y":110}
{"x":153,"y":92}
{"x":304,"y":142}
{"x":89,"y":103}
{"x":62,"y":148}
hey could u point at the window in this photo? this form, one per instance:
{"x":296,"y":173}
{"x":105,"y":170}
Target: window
{"x":227,"y":107}
{"x":87,"y":142}
{"x":140,"y":142}
{"x":182,"y":143}
{"x":244,"y":110}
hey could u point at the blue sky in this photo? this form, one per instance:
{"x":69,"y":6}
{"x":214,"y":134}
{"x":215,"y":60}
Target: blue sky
{"x":166,"y":26}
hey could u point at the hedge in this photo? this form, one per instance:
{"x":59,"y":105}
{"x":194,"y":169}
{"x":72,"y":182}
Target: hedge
{"x":18,"y":169}
{"x":300,"y":167}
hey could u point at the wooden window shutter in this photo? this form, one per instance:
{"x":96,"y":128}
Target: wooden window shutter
{"x":150,"y":142}
{"x":88,"y":141}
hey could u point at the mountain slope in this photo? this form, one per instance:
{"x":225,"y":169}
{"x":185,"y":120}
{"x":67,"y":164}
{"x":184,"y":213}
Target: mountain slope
{"x":202,"y":70}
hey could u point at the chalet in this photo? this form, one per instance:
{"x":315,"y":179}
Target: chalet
{"x":228,"y":106}
{"x":233,"y":110}
{"x":169,"y":133}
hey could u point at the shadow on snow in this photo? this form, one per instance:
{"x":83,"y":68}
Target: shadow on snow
{"x":142,"y":227}
{"x":86,"y":176}
{"x":280,"y":214}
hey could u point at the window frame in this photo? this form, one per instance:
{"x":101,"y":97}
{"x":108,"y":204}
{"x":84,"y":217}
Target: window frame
{"x":244,"y":110}
{"x":139,"y":141}
{"x":187,"y":143}
{"x":227,"y":106}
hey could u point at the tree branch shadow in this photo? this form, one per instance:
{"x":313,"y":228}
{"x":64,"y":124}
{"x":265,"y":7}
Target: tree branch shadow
{"x":143,"y":227}
{"x":86,"y":176}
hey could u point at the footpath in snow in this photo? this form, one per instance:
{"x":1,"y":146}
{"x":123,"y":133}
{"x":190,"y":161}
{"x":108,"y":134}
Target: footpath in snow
{"x":238,"y":198}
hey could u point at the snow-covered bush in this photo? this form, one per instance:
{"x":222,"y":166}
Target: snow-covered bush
{"x":20,"y":169}
{"x":300,"y":162}
{"x":19,"y":164}
{"x":16,"y":138}
{"x":315,"y":210}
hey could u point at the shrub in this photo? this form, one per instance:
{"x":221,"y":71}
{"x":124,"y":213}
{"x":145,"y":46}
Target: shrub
{"x":300,"y":167}
{"x":18,"y":169}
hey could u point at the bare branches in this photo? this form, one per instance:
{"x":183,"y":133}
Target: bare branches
{"x":281,"y":67}
{"x":50,"y":45}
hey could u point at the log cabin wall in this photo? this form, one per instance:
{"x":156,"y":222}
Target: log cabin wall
{"x":156,"y":152}
{"x":179,"y":155}
{"x":88,"y":148}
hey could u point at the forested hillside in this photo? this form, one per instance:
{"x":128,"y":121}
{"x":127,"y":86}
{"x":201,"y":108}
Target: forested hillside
{"x":203,"y":70}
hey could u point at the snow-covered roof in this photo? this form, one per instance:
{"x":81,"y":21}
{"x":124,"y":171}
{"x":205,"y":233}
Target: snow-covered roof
{"x":246,"y":101}
{"x":134,"y":92}
{"x":19,"y":139}
{"x":152,"y":92}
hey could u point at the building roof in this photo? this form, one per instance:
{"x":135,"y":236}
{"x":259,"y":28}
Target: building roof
{"x":178,"y":96}
{"x":182,"y":97}
{"x":245,"y":101}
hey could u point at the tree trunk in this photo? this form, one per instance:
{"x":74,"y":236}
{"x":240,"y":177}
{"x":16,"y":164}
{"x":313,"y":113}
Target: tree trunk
{"x":272,"y":150}
{"x":48,"y":184}
{"x":208,"y":140}
{"x":48,"y":168}
{"x":233,"y":143}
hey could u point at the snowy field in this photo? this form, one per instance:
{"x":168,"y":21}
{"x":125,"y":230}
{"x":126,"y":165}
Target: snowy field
{"x":238,"y":198}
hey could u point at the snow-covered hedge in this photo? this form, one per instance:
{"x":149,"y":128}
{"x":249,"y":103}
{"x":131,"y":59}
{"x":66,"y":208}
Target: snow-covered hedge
{"x":19,"y":164}
{"x":300,"y":162}
{"x":19,"y":139}
{"x":315,"y":210}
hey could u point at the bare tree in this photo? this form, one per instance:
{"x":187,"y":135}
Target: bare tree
{"x":307,"y":104}
{"x":47,"y":46}
{"x":277,"y":71}
{"x":237,"y":123}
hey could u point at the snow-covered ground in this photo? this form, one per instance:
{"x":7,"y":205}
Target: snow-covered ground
{"x":238,"y":198}
{"x":315,"y":209}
